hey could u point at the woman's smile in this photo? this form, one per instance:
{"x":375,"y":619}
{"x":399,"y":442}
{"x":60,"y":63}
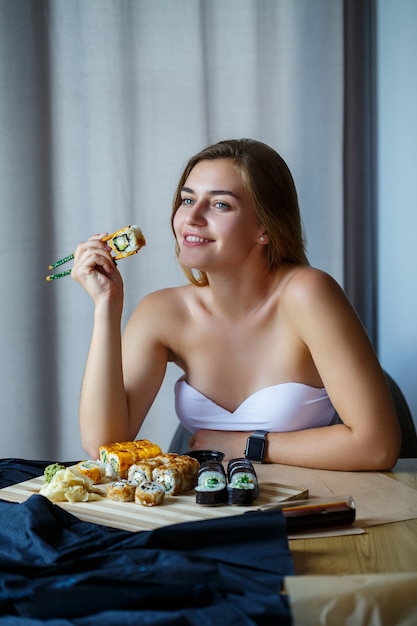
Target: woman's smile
{"x":194,"y":239}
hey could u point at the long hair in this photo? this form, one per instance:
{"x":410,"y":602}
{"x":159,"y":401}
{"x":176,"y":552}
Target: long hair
{"x":271,"y":186}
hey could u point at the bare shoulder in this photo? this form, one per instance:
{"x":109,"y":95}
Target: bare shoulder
{"x":155,"y":325}
{"x":169,"y":301}
{"x":162,"y":309}
{"x":306,"y":285}
{"x":316,"y":303}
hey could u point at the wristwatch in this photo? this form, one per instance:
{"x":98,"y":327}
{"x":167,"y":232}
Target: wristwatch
{"x":256,"y":446}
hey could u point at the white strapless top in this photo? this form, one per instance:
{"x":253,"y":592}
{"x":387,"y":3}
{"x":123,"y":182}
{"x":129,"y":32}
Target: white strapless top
{"x":279,"y":408}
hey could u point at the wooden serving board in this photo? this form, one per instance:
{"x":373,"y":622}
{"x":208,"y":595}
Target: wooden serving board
{"x":135,"y":517}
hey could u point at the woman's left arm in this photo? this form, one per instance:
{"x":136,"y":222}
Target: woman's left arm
{"x":369,"y":437}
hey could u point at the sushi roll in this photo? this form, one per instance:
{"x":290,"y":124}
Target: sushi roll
{"x":211,"y":473}
{"x":121,"y":491}
{"x":239,"y":466}
{"x":170,"y":477}
{"x":95,"y":470}
{"x":191,"y":474}
{"x":168,"y":457}
{"x":243,"y":486}
{"x":118,"y":457}
{"x":149,"y":493}
{"x":211,"y":488}
{"x":140,"y":472}
{"x":241,"y":493}
{"x":239,"y":461}
{"x":143,"y":448}
{"x":120,"y":461}
{"x":188,"y":468}
{"x":127,"y":241}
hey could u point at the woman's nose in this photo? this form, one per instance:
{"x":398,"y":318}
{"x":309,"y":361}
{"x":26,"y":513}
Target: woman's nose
{"x":196,"y":213}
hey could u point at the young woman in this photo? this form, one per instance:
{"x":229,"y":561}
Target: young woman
{"x":265,"y":341}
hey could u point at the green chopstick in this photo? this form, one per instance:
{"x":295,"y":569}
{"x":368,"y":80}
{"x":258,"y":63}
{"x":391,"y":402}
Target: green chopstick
{"x":58,"y":275}
{"x":61,"y":261}
{"x":53,"y":266}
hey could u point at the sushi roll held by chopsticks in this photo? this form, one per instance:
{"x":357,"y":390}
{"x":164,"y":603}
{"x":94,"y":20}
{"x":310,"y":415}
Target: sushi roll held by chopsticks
{"x":123,"y":243}
{"x":126,"y":241}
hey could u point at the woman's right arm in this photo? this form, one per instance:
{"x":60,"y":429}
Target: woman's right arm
{"x":105,"y":411}
{"x":102,"y":390}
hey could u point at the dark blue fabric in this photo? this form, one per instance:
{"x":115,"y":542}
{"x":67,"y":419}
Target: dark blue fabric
{"x":58,"y":570}
{"x":14,"y":471}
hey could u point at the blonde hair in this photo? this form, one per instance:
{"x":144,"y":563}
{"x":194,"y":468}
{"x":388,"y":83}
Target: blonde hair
{"x":271,"y":186}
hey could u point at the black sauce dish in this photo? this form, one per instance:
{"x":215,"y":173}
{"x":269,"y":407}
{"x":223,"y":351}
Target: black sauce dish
{"x":207,"y":455}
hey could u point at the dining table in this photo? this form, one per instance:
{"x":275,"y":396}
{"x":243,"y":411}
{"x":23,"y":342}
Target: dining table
{"x":390,"y":547}
{"x":340,"y":575}
{"x":365,"y":579}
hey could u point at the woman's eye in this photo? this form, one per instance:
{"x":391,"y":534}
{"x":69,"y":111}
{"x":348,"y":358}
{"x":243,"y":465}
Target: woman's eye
{"x":221,"y":205}
{"x":187,"y":201}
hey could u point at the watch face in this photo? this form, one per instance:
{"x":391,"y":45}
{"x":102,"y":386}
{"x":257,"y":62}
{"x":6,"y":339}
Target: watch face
{"x":255,"y":449}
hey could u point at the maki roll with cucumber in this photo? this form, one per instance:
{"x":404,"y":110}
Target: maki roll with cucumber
{"x":243,"y":486}
{"x":211,"y":489}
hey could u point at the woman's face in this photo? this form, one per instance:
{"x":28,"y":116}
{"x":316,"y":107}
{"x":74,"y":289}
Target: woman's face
{"x":216,"y":225}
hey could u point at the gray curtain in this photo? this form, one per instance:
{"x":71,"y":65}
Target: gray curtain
{"x":359,"y":146}
{"x":101,"y":103}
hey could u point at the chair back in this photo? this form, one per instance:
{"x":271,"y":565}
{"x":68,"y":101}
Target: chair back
{"x":408,"y":429}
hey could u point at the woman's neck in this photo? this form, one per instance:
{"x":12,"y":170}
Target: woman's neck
{"x":236,"y":294}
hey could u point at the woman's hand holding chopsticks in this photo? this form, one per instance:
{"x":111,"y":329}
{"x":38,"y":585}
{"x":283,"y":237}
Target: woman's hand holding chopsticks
{"x":70,"y":257}
{"x":122,"y":243}
{"x":95,"y":270}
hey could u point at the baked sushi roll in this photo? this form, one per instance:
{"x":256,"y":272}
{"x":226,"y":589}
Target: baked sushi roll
{"x":168,"y":457}
{"x":126,"y":241}
{"x":144,"y":449}
{"x":120,"y":461}
{"x":141,"y":448}
{"x":188,"y":468}
{"x":121,"y":491}
{"x":190,"y":473}
{"x":140,"y":472}
{"x":118,"y":457}
{"x":211,"y":488}
{"x":170,"y":477}
{"x":95,"y":470}
{"x":149,"y":493}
